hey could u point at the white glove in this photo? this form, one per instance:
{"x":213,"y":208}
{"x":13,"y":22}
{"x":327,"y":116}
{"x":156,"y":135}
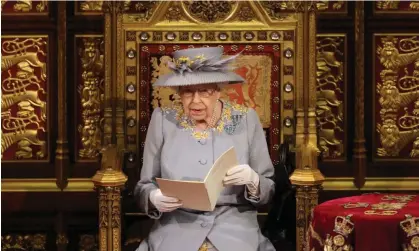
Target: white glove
{"x":243,"y":175}
{"x":163,"y":203}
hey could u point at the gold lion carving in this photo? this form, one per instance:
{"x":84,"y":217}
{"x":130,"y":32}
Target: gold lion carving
{"x":390,"y":57}
{"x":24,"y":89}
{"x":396,"y":93}
{"x":91,"y":97}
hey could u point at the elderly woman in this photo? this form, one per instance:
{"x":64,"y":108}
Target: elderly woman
{"x":184,"y":140}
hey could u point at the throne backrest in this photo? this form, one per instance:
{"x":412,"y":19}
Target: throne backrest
{"x":267,"y":36}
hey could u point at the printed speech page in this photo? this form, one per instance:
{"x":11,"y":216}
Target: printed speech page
{"x":201,"y":195}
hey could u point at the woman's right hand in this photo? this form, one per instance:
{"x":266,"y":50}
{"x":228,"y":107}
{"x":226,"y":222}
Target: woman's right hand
{"x":163,"y":203}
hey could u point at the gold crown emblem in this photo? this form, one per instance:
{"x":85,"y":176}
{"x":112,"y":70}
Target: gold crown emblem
{"x":410,"y":225}
{"x":343,"y":225}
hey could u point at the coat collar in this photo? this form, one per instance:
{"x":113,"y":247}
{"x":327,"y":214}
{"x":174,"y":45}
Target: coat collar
{"x":231,"y":116}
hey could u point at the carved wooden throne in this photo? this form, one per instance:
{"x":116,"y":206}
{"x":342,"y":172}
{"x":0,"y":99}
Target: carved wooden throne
{"x":275,"y":40}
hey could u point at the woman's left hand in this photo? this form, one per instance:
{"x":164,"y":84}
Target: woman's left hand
{"x":242,"y":175}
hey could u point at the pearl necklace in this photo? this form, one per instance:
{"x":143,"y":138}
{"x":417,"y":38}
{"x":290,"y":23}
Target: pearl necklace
{"x":211,"y":124}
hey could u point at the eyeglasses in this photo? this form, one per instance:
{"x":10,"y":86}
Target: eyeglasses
{"x":203,"y":93}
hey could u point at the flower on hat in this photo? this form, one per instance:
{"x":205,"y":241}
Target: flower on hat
{"x":199,"y":63}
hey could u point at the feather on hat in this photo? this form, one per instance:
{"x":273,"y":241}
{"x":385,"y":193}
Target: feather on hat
{"x":199,"y":66}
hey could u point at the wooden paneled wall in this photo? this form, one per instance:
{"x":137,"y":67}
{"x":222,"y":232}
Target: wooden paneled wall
{"x":367,"y":103}
{"x":52,"y":76}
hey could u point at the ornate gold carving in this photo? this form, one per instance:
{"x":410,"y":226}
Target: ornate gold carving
{"x":24,"y":107}
{"x":42,"y":5}
{"x":389,"y":54}
{"x":99,"y":6}
{"x":173,"y":13}
{"x":397,"y":6}
{"x":143,"y":11}
{"x":88,"y":242}
{"x":116,"y":208}
{"x":24,"y":6}
{"x":246,"y":14}
{"x":91,"y":5}
{"x":115,"y":6}
{"x":401,"y":6}
{"x":27,"y":6}
{"x":109,"y":180}
{"x":209,"y":11}
{"x":277,"y":10}
{"x":396,"y":93}
{"x":91,"y":97}
{"x":322,"y":5}
{"x":306,"y":177}
{"x":23,"y":242}
{"x":306,"y":200}
{"x":103,"y":209}
{"x":330,"y":93}
{"x":275,"y":7}
{"x":387,"y":5}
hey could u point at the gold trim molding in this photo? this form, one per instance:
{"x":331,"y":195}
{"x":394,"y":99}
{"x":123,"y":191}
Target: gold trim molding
{"x":372,"y":184}
{"x":46,"y":185}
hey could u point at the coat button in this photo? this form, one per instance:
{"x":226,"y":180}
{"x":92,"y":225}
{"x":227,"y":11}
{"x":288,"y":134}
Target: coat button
{"x":202,"y":141}
{"x":203,"y":161}
{"x":204,"y":224}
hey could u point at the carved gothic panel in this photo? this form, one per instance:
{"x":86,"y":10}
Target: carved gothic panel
{"x":396,"y":7}
{"x":142,"y":9}
{"x":36,"y":242}
{"x":396,"y":82}
{"x":24,"y":98}
{"x":90,"y":93}
{"x":24,"y":7}
{"x":209,"y":11}
{"x":276,"y":9}
{"x":331,"y":88}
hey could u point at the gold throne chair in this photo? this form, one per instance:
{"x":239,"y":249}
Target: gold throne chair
{"x":272,"y":38}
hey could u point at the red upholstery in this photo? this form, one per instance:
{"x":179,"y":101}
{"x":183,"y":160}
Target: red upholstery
{"x":370,"y":222}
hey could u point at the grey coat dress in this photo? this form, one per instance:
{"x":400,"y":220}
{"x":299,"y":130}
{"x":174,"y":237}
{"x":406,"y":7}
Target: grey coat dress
{"x":174,"y":151}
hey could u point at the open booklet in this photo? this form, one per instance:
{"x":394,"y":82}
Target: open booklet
{"x":201,"y":195}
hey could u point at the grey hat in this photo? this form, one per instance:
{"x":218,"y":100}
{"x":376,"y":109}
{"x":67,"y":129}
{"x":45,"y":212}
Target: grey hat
{"x":199,"y":66}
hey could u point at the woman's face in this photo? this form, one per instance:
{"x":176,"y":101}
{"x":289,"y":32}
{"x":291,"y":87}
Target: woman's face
{"x":199,"y":100}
